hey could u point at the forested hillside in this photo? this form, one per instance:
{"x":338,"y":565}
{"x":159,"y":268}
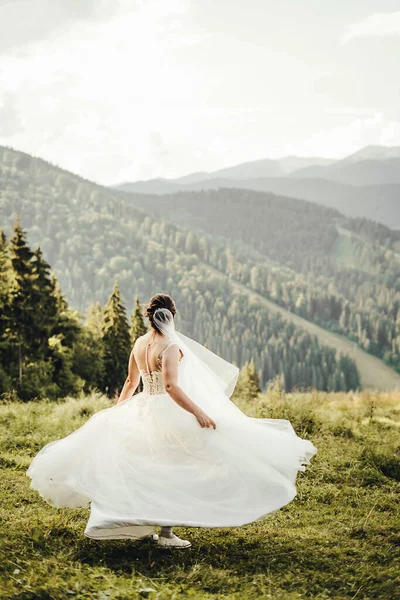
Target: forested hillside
{"x":45,"y":350}
{"x":341,"y":273}
{"x":93,"y":237}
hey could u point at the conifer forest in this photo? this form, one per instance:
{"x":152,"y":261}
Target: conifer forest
{"x":79,"y":261}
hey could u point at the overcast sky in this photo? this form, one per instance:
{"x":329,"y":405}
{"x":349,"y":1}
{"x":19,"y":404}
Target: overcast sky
{"x":119,"y":90}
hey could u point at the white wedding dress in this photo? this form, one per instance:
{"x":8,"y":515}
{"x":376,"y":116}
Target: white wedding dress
{"x":146,"y":462}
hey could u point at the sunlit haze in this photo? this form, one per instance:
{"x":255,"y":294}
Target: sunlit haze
{"x":123,"y":90}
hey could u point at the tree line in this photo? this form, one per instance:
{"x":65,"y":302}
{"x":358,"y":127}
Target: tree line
{"x":49,"y":350}
{"x":45,"y":349}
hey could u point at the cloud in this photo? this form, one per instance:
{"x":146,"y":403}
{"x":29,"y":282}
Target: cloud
{"x":375,"y":25}
{"x":135,"y":89}
{"x":106,"y":95}
{"x":374,"y":129}
{"x":10,"y":121}
{"x":23,"y":22}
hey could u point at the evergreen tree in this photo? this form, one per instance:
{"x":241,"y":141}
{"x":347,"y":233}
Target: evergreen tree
{"x":42,"y":328}
{"x":138,"y":327}
{"x":248,"y":385}
{"x":5,"y":318}
{"x":88,"y":359}
{"x":68,"y":322}
{"x":22,"y":309}
{"x":64,"y":379}
{"x":45,"y":301}
{"x":89,"y":349}
{"x":62,"y":304}
{"x":5,"y":273}
{"x":116,"y":343}
{"x":95,"y":320}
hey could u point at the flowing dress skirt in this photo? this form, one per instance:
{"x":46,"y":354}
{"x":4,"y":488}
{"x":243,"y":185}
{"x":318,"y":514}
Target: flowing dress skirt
{"x":147,"y":462}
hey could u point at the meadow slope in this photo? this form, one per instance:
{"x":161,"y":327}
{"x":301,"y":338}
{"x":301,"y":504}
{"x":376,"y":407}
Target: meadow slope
{"x":338,"y":539}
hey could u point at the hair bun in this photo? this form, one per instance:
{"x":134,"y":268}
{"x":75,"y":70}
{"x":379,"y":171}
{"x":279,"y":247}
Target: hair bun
{"x":159,"y":302}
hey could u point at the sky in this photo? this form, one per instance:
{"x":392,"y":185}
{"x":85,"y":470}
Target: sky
{"x":124,"y":90}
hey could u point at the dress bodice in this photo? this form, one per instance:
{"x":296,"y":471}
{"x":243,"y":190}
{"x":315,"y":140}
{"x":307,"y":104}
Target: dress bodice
{"x":153,"y":382}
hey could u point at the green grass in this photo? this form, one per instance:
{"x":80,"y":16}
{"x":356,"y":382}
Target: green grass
{"x":339,"y":538}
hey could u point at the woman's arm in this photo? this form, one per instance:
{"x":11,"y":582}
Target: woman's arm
{"x":132,"y":381}
{"x":170,"y":363}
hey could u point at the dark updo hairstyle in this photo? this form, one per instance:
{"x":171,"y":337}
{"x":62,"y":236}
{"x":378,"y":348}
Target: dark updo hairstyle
{"x":159,"y":301}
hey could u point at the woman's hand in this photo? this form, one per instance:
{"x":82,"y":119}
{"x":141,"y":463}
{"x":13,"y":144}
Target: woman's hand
{"x":204,"y":420}
{"x":170,"y":361}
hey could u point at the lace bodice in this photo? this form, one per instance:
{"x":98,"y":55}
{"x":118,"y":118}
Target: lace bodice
{"x":153,"y":382}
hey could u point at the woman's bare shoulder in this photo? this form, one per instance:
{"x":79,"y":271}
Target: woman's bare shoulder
{"x":143,"y":337}
{"x":140,"y":341}
{"x":173,"y":350}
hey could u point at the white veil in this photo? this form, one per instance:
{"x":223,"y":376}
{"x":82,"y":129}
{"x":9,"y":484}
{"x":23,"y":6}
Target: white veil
{"x":206,"y":378}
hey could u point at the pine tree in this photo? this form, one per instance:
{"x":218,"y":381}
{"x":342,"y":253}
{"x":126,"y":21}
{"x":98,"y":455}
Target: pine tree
{"x":88,"y":350}
{"x":5,"y":272}
{"x":248,"y":385}
{"x":62,"y":304}
{"x":5,"y":314}
{"x":5,"y":282}
{"x":45,"y":302}
{"x":22,"y":308}
{"x":116,"y":343}
{"x":138,"y":326}
{"x":95,"y":320}
{"x":68,"y":322}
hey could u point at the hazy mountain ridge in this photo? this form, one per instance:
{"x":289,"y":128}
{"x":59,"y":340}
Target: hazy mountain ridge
{"x":372,"y":153}
{"x":362,"y":172}
{"x":267,"y":167}
{"x":364,"y":184}
{"x":380,"y":203}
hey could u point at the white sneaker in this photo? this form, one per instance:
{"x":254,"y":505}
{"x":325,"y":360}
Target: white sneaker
{"x":173,"y":542}
{"x":152,"y":536}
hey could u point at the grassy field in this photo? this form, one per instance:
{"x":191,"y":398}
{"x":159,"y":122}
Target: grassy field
{"x":339,"y":538}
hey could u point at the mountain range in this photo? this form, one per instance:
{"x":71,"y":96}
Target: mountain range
{"x":256,"y":275}
{"x":363,"y":184}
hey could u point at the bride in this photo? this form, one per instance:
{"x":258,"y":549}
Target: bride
{"x":177,"y":453}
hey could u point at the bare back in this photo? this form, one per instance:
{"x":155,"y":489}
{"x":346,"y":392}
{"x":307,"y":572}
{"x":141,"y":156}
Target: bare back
{"x":154,"y":348}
